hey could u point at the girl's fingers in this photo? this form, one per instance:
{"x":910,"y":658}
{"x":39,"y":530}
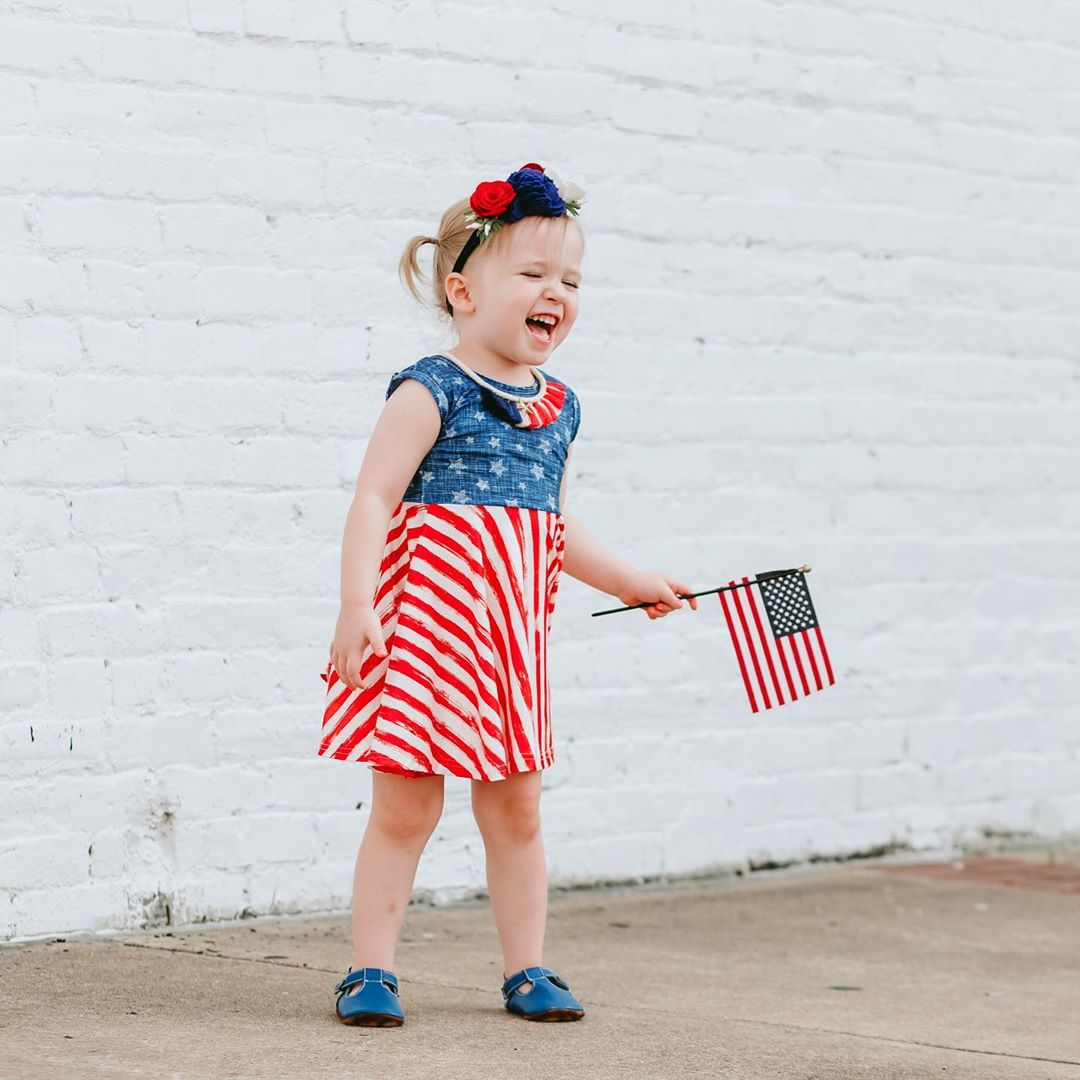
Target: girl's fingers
{"x":377,"y":646}
{"x":682,"y":589}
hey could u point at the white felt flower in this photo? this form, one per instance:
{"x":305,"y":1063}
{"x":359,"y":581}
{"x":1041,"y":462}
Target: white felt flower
{"x":568,"y":191}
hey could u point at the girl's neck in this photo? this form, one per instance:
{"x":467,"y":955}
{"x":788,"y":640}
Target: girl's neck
{"x":494,"y":368}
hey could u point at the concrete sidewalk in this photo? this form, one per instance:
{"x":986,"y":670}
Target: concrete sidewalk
{"x":867,"y":969}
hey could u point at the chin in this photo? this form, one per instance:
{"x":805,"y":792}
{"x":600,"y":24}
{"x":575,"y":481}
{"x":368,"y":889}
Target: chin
{"x":538,"y":356}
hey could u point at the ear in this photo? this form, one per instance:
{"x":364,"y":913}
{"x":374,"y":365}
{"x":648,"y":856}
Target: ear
{"x":459,"y":294}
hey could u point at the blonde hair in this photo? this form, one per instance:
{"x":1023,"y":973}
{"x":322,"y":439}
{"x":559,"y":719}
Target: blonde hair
{"x":453,"y":232}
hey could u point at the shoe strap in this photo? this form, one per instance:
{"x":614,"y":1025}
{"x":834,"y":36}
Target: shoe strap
{"x":367,"y":974}
{"x":529,"y":974}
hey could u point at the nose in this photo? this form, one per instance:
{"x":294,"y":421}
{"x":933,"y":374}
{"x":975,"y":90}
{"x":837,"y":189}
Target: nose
{"x":556,"y":290}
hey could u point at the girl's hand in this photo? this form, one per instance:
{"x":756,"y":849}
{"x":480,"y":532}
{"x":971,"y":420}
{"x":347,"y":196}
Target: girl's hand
{"x":643,"y":586}
{"x":357,"y":628}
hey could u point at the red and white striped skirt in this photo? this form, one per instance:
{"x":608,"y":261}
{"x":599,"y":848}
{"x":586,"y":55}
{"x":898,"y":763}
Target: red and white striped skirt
{"x":465,"y":599}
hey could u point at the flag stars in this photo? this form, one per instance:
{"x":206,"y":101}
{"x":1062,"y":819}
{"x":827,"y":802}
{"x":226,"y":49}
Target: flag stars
{"x":482,"y":484}
{"x":427,"y":476}
{"x":457,"y":465}
{"x":497,"y":467}
{"x":537,"y":471}
{"x":494,"y":442}
{"x":460,"y":496}
{"x":545,"y":446}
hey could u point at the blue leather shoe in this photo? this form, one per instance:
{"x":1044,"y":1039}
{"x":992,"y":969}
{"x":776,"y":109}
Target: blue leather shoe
{"x":374,"y":1004}
{"x":549,"y":998}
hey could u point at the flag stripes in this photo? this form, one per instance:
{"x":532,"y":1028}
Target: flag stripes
{"x":777,"y":665}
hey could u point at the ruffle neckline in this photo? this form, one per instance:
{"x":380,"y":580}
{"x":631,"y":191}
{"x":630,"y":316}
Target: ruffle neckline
{"x":522,"y":408}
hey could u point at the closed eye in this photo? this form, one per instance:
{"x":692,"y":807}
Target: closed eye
{"x":572,"y":284}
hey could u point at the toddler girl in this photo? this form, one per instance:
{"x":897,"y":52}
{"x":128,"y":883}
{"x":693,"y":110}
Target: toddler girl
{"x":450,"y":564}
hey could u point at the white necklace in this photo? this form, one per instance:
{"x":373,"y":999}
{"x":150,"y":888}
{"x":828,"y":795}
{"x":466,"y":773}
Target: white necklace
{"x":526,"y":399}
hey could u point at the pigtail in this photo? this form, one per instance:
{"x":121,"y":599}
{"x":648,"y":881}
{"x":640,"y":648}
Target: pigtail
{"x":450,"y":239}
{"x":409,"y":267}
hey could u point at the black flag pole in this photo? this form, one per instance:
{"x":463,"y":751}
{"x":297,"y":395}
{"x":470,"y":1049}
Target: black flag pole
{"x":723,"y":588}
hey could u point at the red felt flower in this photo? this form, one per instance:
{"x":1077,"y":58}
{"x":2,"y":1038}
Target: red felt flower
{"x":532,"y":165}
{"x":491,"y":198}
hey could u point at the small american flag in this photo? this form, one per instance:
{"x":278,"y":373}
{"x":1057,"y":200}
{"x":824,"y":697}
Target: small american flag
{"x":788,"y":660}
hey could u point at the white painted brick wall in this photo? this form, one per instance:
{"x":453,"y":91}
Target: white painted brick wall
{"x":830,"y":316}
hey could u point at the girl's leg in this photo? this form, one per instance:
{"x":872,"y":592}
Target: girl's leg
{"x":404,"y":813}
{"x":508,"y":814}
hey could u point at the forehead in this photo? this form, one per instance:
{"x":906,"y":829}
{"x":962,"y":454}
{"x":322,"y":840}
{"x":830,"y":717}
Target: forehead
{"x":548,"y":238}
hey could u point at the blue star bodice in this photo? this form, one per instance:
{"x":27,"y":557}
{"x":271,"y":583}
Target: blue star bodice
{"x":482,"y":456}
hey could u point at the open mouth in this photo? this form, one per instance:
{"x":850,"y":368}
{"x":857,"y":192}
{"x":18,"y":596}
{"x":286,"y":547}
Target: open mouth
{"x":540,"y":330}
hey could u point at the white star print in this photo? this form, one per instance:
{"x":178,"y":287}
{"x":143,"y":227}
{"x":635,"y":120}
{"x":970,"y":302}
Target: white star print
{"x":494,"y":461}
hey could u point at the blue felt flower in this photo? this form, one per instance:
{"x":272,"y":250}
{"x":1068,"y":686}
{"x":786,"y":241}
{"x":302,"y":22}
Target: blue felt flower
{"x":536,"y":194}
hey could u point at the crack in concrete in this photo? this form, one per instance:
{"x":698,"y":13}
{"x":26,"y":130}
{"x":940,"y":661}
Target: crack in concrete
{"x":902,"y":1041}
{"x":628,"y":1008}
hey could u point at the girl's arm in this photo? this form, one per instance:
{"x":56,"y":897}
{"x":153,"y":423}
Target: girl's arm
{"x":586,"y":559}
{"x":405,"y":431}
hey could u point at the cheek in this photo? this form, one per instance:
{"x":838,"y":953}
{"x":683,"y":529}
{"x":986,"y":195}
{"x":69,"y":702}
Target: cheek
{"x":522,"y":297}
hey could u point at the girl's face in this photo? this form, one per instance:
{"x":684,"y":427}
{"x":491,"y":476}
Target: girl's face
{"x":537,"y":271}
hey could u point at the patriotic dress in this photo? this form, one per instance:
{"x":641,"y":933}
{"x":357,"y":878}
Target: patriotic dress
{"x":466,"y":589}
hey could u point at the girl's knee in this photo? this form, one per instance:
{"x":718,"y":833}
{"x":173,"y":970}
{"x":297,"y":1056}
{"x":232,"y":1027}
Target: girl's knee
{"x":514,"y":817}
{"x":406,"y":811}
{"x":510,"y":827}
{"x":406,"y":825}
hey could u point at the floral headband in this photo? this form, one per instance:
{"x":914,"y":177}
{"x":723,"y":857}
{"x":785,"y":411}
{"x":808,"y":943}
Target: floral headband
{"x":529,"y":191}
